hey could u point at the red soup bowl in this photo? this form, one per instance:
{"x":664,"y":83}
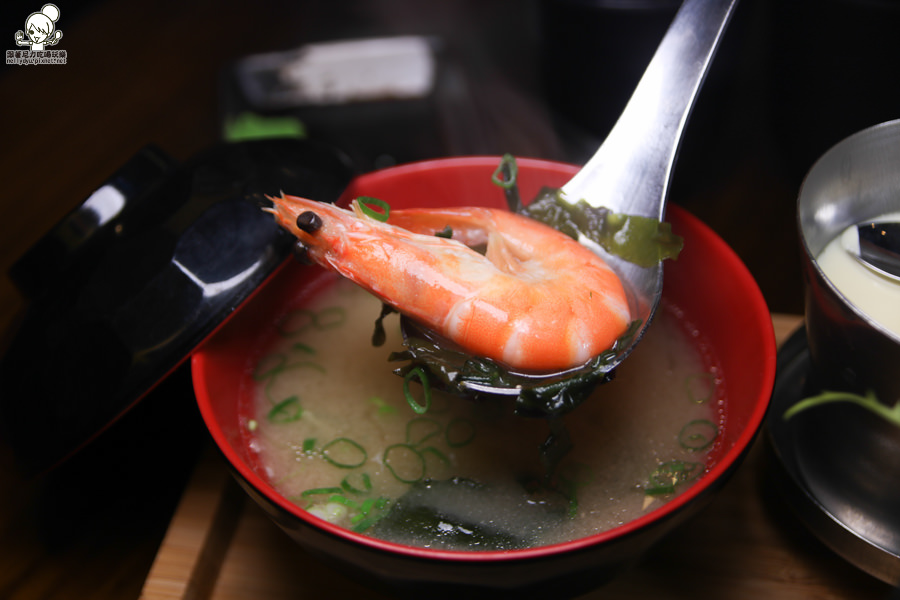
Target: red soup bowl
{"x":708,"y":282}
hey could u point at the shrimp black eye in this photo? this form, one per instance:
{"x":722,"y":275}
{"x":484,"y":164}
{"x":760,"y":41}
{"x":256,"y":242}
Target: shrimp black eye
{"x":309,"y":221}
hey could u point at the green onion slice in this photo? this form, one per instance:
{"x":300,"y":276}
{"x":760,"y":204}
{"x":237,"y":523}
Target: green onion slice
{"x":371,"y":518}
{"x":301,"y":347}
{"x":340,"y":498}
{"x":383,"y":407}
{"x":420,"y":429}
{"x":507,"y":173}
{"x":418,"y":373}
{"x":410,"y":474}
{"x":321,"y":490}
{"x":669,"y":475}
{"x":352,"y":489}
{"x":432,"y":450}
{"x":302,"y":319}
{"x":275,"y":364}
{"x":699,"y":434}
{"x":460,"y":432}
{"x":572,"y":511}
{"x":286,"y":411}
{"x":365,"y":204}
{"x":700,"y":387}
{"x":270,"y":365}
{"x":344,"y":453}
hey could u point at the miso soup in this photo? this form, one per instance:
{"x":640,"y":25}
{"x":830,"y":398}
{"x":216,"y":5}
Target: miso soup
{"x":336,"y":434}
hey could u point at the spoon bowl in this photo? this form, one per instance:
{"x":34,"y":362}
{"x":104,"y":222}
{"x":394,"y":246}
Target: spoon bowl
{"x":630,"y":172}
{"x":875,"y":244}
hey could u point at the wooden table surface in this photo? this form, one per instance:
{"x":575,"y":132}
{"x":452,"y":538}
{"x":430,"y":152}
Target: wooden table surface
{"x":148,"y":72}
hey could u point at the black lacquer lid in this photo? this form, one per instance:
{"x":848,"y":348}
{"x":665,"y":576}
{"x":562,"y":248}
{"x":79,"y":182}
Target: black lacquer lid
{"x":123,"y":289}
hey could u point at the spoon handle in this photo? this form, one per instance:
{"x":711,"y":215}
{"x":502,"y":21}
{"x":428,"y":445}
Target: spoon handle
{"x":630,"y":172}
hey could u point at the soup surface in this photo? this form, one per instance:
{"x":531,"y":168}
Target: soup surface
{"x":336,"y":434}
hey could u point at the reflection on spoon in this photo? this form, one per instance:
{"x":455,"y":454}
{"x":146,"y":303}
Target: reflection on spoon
{"x":876,"y":245}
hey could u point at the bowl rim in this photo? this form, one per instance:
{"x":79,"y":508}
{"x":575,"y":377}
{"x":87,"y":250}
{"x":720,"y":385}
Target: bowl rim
{"x":729,"y":459}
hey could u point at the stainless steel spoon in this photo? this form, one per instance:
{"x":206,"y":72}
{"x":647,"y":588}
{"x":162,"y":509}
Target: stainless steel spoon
{"x":876,"y":245}
{"x":631,"y":171}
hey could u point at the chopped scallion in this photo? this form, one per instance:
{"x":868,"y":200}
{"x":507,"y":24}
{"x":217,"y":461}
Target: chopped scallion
{"x":352,"y":489}
{"x":365,"y":204}
{"x":368,"y":522}
{"x":344,"y":453}
{"x":507,"y":172}
{"x":393,"y":456}
{"x":420,"y":374}
{"x":700,"y":387}
{"x":286,"y":411}
{"x":339,"y":498}
{"x":432,"y":450}
{"x":383,"y":407}
{"x":668,"y":476}
{"x":420,"y":429}
{"x":459,"y":432}
{"x":321,"y":490}
{"x":699,"y":434}
{"x":299,"y":347}
{"x":507,"y":177}
{"x":302,"y":319}
{"x":269,"y":365}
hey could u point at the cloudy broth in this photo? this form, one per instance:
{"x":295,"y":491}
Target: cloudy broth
{"x":336,"y":435}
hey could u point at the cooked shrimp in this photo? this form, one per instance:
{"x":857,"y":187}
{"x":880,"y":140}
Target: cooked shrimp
{"x":537,"y":300}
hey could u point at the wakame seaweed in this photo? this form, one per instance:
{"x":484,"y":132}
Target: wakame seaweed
{"x":644,"y":241}
{"x":456,"y":514}
{"x":460,"y":373}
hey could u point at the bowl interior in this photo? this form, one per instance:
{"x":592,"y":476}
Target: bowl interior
{"x":708,"y":283}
